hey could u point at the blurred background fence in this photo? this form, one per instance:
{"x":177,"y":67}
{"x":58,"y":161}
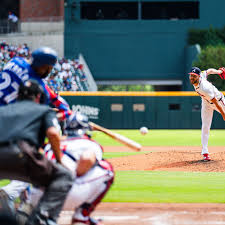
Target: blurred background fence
{"x":155,"y":110}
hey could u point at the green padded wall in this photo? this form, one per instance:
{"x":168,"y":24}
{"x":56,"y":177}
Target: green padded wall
{"x":132,"y":112}
{"x":137,"y":49}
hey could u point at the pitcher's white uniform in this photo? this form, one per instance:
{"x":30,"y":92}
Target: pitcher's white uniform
{"x":207,"y":91}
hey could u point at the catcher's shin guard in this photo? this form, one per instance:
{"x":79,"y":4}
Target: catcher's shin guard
{"x":87,"y":208}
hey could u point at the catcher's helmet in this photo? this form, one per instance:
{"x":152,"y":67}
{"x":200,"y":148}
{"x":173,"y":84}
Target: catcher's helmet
{"x":30,"y":90}
{"x":44,"y":56}
{"x":77,"y":125}
{"x":195,"y":70}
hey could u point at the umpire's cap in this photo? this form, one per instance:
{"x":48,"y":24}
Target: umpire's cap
{"x":43,"y":56}
{"x":195,"y":71}
{"x":77,"y":124}
{"x":30,"y":90}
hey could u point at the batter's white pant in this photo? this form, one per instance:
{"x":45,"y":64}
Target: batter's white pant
{"x":207,"y":115}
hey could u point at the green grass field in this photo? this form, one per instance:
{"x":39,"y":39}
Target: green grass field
{"x":165,"y":137}
{"x":168,"y":187}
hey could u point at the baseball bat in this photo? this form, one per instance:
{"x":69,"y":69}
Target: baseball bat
{"x":120,"y":138}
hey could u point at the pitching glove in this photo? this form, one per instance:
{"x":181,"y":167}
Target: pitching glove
{"x":222,"y":75}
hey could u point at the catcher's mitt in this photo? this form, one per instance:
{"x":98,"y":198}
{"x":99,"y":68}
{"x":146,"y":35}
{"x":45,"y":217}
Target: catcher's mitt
{"x":222,"y":75}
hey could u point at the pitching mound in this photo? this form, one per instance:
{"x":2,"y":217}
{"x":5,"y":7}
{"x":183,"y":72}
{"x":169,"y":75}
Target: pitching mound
{"x":170,"y":159}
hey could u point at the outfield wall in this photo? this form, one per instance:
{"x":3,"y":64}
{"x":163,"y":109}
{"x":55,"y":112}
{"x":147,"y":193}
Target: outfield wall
{"x":155,"y":110}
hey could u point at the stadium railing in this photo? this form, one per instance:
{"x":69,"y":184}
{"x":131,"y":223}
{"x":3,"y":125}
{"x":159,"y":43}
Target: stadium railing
{"x":8,"y":27}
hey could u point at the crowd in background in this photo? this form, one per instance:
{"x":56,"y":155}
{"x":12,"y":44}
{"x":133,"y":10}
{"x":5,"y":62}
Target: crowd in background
{"x":67,"y":74}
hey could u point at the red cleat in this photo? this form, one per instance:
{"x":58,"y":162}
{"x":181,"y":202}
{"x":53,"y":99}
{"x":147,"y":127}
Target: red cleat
{"x":206,"y":157}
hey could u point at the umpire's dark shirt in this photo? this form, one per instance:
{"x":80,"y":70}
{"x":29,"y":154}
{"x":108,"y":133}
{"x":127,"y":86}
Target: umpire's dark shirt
{"x":25,"y":120}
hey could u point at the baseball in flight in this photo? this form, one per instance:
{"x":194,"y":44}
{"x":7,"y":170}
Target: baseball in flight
{"x":144,"y":130}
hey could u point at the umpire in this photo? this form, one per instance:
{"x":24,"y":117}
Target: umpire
{"x":24,"y":126}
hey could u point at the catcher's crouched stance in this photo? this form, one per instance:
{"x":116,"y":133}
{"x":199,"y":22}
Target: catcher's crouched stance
{"x":95,"y":175}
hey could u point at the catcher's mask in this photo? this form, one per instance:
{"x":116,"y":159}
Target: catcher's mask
{"x":77,"y":125}
{"x":30,"y":90}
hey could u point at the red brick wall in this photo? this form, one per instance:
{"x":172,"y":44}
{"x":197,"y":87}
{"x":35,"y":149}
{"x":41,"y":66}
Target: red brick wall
{"x":41,"y":10}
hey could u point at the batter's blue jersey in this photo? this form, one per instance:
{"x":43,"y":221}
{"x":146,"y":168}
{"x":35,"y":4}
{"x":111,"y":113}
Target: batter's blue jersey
{"x":17,"y":71}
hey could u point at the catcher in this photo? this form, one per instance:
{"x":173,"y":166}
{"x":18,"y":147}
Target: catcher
{"x":212,"y":99}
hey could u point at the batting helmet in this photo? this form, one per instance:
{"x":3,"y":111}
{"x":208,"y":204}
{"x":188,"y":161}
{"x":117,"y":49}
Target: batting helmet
{"x":77,"y":125}
{"x":44,"y":56}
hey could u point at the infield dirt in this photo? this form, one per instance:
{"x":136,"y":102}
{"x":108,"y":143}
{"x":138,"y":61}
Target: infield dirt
{"x":179,"y":158}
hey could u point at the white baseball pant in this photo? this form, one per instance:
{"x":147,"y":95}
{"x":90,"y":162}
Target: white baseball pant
{"x":206,"y":116}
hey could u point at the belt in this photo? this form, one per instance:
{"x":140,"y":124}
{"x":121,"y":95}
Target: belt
{"x":213,"y":103}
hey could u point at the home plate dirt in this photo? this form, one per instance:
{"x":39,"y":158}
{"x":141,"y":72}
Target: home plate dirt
{"x":155,"y":214}
{"x":167,"y":159}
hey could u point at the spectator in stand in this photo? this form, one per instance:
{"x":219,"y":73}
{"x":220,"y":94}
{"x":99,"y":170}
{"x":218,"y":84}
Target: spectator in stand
{"x":13,"y":20}
{"x":58,"y":66}
{"x":67,"y":83}
{"x":66,"y":72}
{"x":72,"y":70}
{"x":12,"y":53}
{"x":66,"y":65}
{"x":76,"y":64}
{"x":81,"y":71}
{"x":26,"y":49}
{"x":9,"y":51}
{"x":58,"y":80}
{"x":52,"y":83}
{"x":1,"y":55}
{"x":3,"y":44}
{"x":74,"y":86}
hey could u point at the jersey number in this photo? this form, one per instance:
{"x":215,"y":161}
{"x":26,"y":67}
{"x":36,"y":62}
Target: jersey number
{"x":5,"y":84}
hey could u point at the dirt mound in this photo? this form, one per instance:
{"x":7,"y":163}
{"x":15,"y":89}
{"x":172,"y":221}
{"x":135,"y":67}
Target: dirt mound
{"x":172,"y":159}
